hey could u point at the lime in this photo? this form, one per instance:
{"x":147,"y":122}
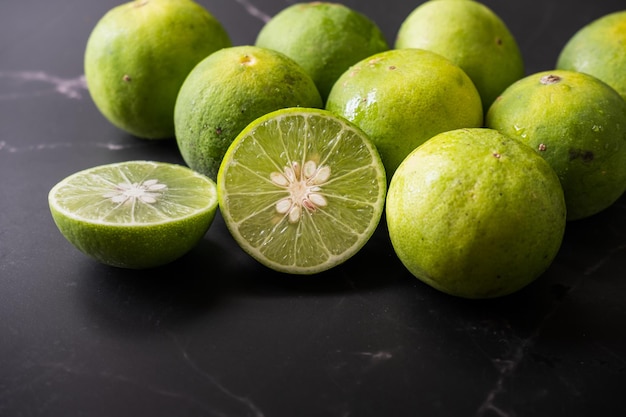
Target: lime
{"x":598,"y":49}
{"x":138,"y":55}
{"x":475,"y":214}
{"x":301,"y":190}
{"x":578,"y":124}
{"x":324,"y":38}
{"x":402,"y":97}
{"x":228,"y":90}
{"x":135,"y":214}
{"x":472,"y":36}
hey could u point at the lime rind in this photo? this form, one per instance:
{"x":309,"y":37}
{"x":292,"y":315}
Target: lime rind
{"x":353,"y":195}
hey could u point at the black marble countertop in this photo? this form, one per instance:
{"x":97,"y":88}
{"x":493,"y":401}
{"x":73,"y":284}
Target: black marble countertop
{"x":215,"y":334}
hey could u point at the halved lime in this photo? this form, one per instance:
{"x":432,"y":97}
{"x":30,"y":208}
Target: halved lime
{"x":134,"y":214}
{"x":301,"y":190}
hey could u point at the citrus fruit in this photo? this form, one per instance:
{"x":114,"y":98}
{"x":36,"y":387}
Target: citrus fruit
{"x":402,"y":97}
{"x":598,"y":49}
{"x":472,"y":36}
{"x":324,"y":38}
{"x":134,"y":214}
{"x":228,"y":90}
{"x":578,"y":124}
{"x":301,"y":190}
{"x":138,"y":55}
{"x":475,"y":214}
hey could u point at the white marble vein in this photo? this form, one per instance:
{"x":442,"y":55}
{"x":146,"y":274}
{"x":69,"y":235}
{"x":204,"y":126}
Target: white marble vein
{"x":71,"y":88}
{"x":593,"y":268}
{"x":506,"y":368}
{"x":50,"y":371}
{"x":377,"y":357}
{"x":254,"y":411}
{"x":507,"y":364}
{"x":252,"y":10}
{"x":8,"y":148}
{"x":179,"y":396}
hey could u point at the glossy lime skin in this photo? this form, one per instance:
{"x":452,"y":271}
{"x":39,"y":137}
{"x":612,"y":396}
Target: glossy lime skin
{"x":138,"y":55}
{"x":472,"y":36}
{"x":402,"y":97}
{"x":475,"y":214}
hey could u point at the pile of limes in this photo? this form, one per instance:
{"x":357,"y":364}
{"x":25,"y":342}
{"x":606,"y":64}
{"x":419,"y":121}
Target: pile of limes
{"x":305,"y":139}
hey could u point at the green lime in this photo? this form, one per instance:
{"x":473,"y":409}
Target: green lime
{"x":578,"y":124}
{"x":472,"y":36}
{"x":598,"y":49}
{"x":402,"y":97}
{"x":138,"y":55}
{"x":301,"y":190}
{"x":475,"y":214}
{"x":324,"y":38}
{"x":228,"y":90}
{"x":134,"y":214}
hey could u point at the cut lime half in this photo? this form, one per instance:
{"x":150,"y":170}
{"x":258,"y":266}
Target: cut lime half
{"x":301,"y":190}
{"x":135,"y":214}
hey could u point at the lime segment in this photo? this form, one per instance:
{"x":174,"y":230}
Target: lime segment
{"x":134,"y":214}
{"x":301,"y":190}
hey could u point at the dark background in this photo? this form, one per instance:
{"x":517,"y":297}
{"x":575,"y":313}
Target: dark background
{"x":216,"y":334}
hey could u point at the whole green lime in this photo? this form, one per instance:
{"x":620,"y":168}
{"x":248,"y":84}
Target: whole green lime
{"x":138,"y":55}
{"x":228,"y":90}
{"x":475,"y":214}
{"x":598,"y":49}
{"x":402,"y":97}
{"x":324,"y":38}
{"x":578,"y":124}
{"x":472,"y":36}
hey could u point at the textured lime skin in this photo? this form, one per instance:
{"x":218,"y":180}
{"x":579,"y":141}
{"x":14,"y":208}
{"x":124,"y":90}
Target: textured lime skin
{"x":138,"y":55}
{"x":578,"y":124}
{"x":229,"y":89}
{"x":322,"y":237}
{"x":472,"y":36}
{"x":598,"y":49}
{"x":402,"y":97}
{"x":133,"y":247}
{"x":475,"y":214}
{"x":324,"y":38}
{"x":137,"y":236}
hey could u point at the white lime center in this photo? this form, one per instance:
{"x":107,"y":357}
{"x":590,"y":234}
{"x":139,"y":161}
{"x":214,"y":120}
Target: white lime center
{"x":147,"y":192}
{"x":304,"y":187}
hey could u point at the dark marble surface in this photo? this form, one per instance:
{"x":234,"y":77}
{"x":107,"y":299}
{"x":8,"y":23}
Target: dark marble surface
{"x":215,"y":334}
